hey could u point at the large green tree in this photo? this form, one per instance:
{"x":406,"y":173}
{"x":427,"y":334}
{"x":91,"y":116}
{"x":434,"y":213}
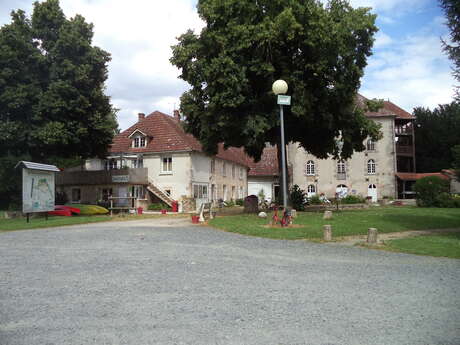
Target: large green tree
{"x":452,"y":11}
{"x":436,"y":133}
{"x":52,"y":101}
{"x":320,"y":50}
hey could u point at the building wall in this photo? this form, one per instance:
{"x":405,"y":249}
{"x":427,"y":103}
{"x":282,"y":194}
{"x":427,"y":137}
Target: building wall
{"x":357,"y":179}
{"x":178,"y":180}
{"x":236,"y":185}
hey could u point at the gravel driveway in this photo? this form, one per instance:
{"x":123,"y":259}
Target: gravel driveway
{"x":147,"y":282}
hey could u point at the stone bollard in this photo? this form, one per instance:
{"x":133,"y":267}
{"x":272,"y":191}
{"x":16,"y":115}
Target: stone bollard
{"x":371,"y":235}
{"x":327,"y":215}
{"x":293,"y":213}
{"x":327,"y":232}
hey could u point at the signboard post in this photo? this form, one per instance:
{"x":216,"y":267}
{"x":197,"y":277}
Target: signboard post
{"x":37,"y":187}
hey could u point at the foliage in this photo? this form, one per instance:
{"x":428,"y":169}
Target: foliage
{"x":52,"y":101}
{"x":239,"y":202}
{"x":229,"y":203}
{"x":456,"y":160}
{"x":158,"y":206}
{"x":314,"y":200}
{"x":346,"y":222}
{"x":352,"y":199}
{"x":320,"y":50}
{"x":436,"y":132}
{"x":430,"y":191}
{"x":88,"y":210}
{"x":261,"y":195}
{"x":452,"y":11}
{"x":297,"y":196}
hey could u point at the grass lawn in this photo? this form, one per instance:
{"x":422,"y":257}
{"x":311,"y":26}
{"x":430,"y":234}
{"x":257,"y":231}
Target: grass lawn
{"x":445,"y":245}
{"x":53,"y":221}
{"x":345,"y":223}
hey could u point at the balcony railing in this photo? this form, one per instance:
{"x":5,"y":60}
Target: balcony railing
{"x":404,"y":149}
{"x":407,"y":129}
{"x":103,"y":177}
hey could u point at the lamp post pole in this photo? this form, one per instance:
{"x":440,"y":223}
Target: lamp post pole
{"x":279,"y":88}
{"x":283,"y":157}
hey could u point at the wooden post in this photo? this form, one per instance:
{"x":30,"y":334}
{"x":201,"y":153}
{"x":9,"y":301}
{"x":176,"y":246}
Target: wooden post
{"x":372,"y":235}
{"x":327,"y":232}
{"x":327,"y":215}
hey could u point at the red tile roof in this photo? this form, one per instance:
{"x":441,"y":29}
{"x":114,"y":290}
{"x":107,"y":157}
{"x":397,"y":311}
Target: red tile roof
{"x":388,"y":109}
{"x":165,"y":134}
{"x":268,"y":164}
{"x":417,"y":176}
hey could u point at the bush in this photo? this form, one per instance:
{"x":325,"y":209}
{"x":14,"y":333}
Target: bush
{"x":297,"y":197}
{"x":314,"y":200}
{"x":431,"y":192}
{"x":352,"y":199}
{"x":239,"y":202}
{"x":158,"y":206}
{"x":229,"y":203}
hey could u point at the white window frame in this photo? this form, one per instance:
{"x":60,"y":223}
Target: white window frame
{"x":166,"y":166}
{"x":370,"y":145}
{"x":310,"y":168}
{"x":311,"y":189}
{"x":241,"y":173}
{"x":200,"y":191}
{"x":224,"y":169}
{"x":371,"y":167}
{"x":341,"y":167}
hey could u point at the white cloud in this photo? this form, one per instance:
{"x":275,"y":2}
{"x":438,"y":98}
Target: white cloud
{"x":382,"y":39}
{"x":411,"y":72}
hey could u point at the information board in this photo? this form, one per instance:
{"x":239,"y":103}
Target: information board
{"x":37,"y":191}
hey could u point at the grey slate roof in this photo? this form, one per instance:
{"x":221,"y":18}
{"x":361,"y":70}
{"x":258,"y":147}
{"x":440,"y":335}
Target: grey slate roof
{"x":37,"y":166}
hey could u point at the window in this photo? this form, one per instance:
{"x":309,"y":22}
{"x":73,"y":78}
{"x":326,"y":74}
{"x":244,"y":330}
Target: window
{"x":137,"y":163}
{"x":139,"y":141}
{"x":111,"y":164}
{"x":224,"y":192}
{"x":371,"y":166}
{"x":106,"y":192}
{"x":233,"y":170}
{"x":76,"y":195}
{"x":224,"y":169}
{"x":200,"y":191}
{"x":341,"y":167}
{"x":138,"y":192}
{"x":166,"y":167}
{"x":240,"y":196}
{"x":310,"y":168}
{"x":311,"y":189}
{"x":213,"y":166}
{"x":370,"y":145}
{"x":233,"y":192}
{"x":168,"y":191}
{"x":241,"y":173}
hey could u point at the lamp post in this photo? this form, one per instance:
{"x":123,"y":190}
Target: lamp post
{"x":279,"y":88}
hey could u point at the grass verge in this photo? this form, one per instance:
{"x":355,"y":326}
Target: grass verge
{"x":309,"y":225}
{"x":443,"y":245}
{"x":54,"y":221}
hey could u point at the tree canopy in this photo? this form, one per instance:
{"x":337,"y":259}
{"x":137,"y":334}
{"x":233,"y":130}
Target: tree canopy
{"x":52,"y":82}
{"x":452,"y":11}
{"x":52,"y":100}
{"x":436,"y":133}
{"x":319,"y":50}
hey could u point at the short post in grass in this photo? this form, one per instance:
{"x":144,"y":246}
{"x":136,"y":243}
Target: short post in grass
{"x":372,"y":235}
{"x":327,"y":215}
{"x":327,"y":232}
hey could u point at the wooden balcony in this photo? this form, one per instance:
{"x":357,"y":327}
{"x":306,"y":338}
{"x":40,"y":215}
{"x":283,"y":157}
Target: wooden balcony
{"x":103,"y":177}
{"x":405,"y":150}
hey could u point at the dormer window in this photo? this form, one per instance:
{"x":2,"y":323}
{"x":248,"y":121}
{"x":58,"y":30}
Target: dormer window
{"x":138,"y":139}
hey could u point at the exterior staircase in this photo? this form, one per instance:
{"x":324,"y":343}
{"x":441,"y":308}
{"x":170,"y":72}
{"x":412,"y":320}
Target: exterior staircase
{"x":161,"y":194}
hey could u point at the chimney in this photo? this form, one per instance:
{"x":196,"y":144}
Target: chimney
{"x":177,"y":115}
{"x":141,"y":116}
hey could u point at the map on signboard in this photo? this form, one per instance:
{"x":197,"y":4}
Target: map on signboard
{"x":37,"y":191}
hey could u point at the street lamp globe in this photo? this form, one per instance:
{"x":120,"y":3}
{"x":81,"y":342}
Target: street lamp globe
{"x":280,"y":87}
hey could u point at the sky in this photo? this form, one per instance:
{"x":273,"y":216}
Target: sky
{"x":408,"y":66}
